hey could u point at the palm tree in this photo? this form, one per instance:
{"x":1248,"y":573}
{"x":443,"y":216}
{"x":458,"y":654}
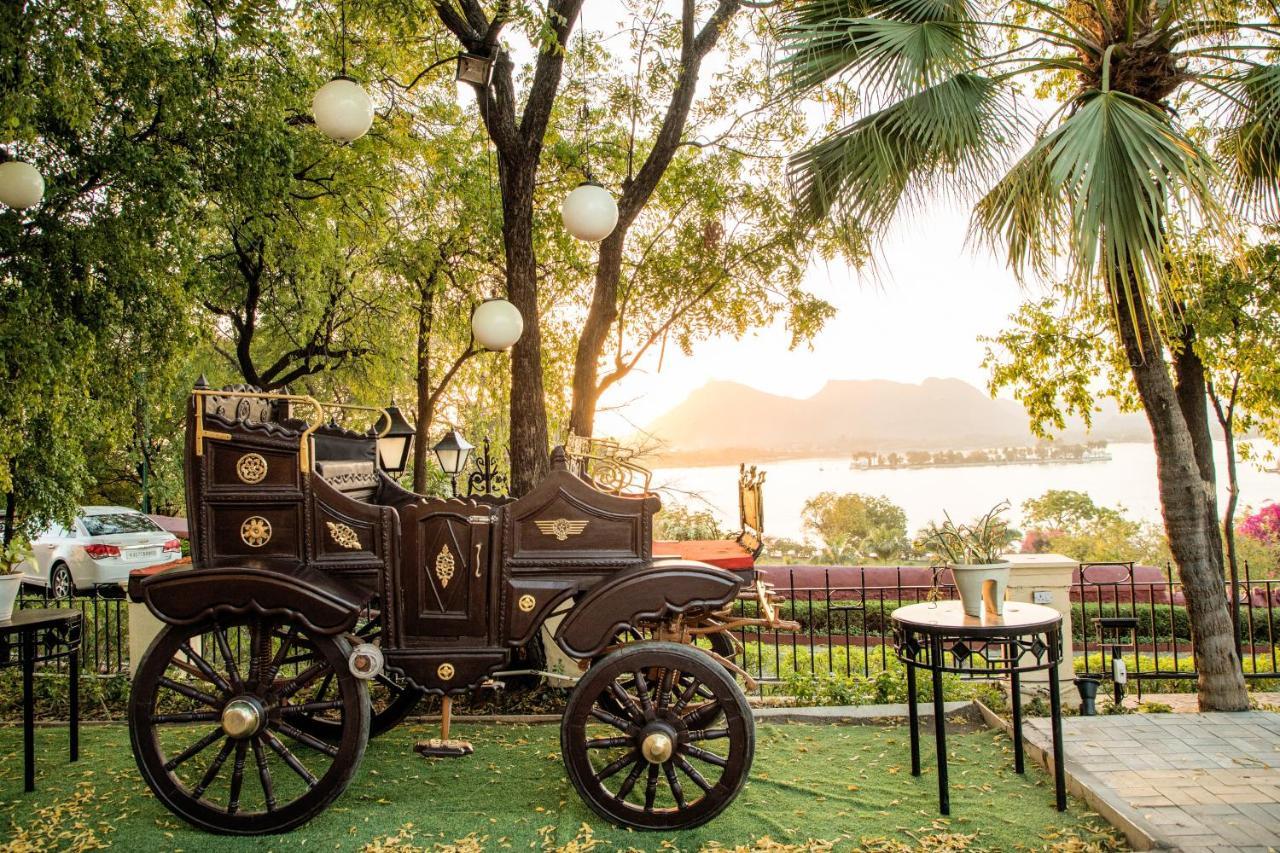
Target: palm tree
{"x":1087,"y":190}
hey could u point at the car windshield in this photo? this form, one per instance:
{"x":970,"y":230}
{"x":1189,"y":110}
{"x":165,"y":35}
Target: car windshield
{"x":121,"y":522}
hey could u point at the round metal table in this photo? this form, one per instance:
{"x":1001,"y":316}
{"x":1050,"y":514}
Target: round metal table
{"x":939,"y":637}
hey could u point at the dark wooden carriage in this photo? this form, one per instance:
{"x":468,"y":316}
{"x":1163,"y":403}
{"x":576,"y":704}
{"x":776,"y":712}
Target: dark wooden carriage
{"x":317,"y":581}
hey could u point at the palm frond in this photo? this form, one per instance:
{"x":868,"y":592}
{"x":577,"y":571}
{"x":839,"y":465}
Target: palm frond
{"x":1107,"y":179}
{"x":1249,"y":145}
{"x":905,"y":43}
{"x":957,"y":130}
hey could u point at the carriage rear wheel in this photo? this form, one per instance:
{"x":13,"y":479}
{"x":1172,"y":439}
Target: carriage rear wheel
{"x":658,"y":736}
{"x":213,"y":722}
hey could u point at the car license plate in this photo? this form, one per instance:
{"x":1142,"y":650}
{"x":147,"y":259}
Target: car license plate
{"x":143,"y":553}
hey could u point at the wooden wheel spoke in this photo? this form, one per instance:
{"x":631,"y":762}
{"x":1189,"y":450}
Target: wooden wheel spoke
{"x":386,"y":681}
{"x":302,"y":679}
{"x":264,"y":775}
{"x":237,"y":776}
{"x":630,"y":782}
{"x":324,"y":685}
{"x":308,"y":740}
{"x":642,"y":690}
{"x":203,"y":667}
{"x":686,"y":696}
{"x":190,"y":692}
{"x":311,"y":707}
{"x":664,"y":687}
{"x":224,"y":648}
{"x":706,"y":734}
{"x":189,"y":717}
{"x":614,"y":766}
{"x":692,"y":773}
{"x":626,"y":701}
{"x":617,"y":722}
{"x":701,"y":716}
{"x":194,"y":750}
{"x":212,"y":772}
{"x":709,"y":757}
{"x":607,"y":742}
{"x":651,"y":788}
{"x":289,"y":758}
{"x":674,"y":784}
{"x":286,"y":643}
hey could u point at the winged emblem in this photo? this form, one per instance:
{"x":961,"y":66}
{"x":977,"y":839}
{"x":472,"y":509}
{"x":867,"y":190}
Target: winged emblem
{"x":561,"y":528}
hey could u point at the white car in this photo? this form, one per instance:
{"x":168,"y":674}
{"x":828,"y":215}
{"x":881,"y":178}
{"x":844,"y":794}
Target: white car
{"x":104,"y":544}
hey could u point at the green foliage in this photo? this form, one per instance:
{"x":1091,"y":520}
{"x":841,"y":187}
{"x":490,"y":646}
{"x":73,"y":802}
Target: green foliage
{"x":1186,"y":683}
{"x":1070,"y":523}
{"x":13,"y":553}
{"x":679,"y":523}
{"x":856,"y":527}
{"x":984,"y":541}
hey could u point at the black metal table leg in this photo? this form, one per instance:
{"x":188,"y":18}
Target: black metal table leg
{"x":1015,"y":698}
{"x":913,"y":718}
{"x":73,"y":661}
{"x":1055,"y":712}
{"x":939,"y":725}
{"x":28,"y":710}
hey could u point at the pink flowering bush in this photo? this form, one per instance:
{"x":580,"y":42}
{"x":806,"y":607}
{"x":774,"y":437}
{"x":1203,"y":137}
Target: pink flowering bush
{"x":1263,"y":525}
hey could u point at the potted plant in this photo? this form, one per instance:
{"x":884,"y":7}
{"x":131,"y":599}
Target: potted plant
{"x":975,"y":555}
{"x":11,"y":556}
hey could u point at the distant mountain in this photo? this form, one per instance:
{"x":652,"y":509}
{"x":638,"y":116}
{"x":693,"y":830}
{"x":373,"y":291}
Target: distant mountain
{"x":853,"y":415}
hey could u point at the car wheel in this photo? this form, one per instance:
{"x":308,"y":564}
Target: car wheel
{"x":60,"y":583}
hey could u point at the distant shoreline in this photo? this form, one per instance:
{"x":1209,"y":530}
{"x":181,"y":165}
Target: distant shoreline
{"x":735,"y":457}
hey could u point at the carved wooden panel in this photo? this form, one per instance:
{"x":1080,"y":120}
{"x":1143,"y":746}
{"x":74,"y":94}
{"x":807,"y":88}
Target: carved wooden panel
{"x":256,"y":531}
{"x":444,"y":572}
{"x":238,"y":466}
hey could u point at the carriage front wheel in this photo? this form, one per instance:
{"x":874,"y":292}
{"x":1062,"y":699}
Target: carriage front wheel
{"x":658,"y":736}
{"x":213,"y":722}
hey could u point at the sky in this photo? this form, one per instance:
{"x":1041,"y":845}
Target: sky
{"x":919,"y":315}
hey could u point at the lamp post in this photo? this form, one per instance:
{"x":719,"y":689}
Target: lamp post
{"x":452,"y":453}
{"x":395,"y":443}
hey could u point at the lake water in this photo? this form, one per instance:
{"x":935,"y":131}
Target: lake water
{"x":1128,"y":479}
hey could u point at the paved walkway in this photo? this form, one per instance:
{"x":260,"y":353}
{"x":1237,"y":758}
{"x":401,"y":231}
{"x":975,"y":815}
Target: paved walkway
{"x":1192,"y":782}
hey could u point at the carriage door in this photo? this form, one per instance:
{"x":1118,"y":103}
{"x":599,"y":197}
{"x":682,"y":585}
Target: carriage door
{"x":444,"y":570}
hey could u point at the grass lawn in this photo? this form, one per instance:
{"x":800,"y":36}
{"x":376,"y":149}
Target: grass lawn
{"x":819,"y":787}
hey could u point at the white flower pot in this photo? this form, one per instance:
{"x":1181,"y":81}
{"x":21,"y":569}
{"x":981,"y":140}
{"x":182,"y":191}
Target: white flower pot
{"x":9,"y":585}
{"x":982,"y":587}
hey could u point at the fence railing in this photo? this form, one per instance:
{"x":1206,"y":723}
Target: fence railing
{"x":846,"y":629}
{"x":1154,"y":639}
{"x":104,"y":648}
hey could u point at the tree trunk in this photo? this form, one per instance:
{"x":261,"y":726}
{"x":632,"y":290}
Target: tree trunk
{"x":529,"y":460}
{"x":424,"y":412}
{"x":1192,"y":390}
{"x":600,"y":318}
{"x":1184,"y":506}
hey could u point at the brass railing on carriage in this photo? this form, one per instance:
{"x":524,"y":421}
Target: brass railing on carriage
{"x":324,"y":600}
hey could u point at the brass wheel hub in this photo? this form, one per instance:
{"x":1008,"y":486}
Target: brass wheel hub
{"x":657,"y":744}
{"x":242,"y":717}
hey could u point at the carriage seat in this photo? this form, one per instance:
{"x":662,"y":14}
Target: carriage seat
{"x":356,"y":479}
{"x":739,"y":554}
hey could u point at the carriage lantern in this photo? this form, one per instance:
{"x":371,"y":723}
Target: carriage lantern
{"x":394,"y":444}
{"x":452,"y":452}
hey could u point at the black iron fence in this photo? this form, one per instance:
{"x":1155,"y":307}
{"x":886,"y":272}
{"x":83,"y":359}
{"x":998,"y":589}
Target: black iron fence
{"x":846,"y":638}
{"x":1140,"y":614}
{"x":105,"y":645}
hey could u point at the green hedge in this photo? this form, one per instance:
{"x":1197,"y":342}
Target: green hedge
{"x":1166,"y":622}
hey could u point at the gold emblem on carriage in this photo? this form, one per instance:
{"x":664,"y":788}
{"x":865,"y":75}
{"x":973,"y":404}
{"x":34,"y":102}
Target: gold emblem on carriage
{"x":444,"y":565}
{"x":251,"y":468}
{"x":255,"y":531}
{"x":343,"y":535}
{"x":561,"y":528}
{"x":445,"y":671}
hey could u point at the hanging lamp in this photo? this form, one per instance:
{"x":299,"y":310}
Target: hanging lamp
{"x":589,"y":211}
{"x":21,"y":184}
{"x":342,"y":108}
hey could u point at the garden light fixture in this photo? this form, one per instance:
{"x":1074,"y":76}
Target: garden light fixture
{"x":589,"y":212}
{"x":395,"y":443}
{"x":21,"y":184}
{"x":452,"y":452}
{"x":496,"y":324}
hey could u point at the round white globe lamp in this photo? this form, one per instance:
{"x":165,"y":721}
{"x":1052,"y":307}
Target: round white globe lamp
{"x":589,"y":212}
{"x":497,"y":324}
{"x":21,"y":184}
{"x":342,"y":109}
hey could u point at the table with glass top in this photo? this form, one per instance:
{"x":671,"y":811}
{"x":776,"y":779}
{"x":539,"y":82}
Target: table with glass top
{"x":939,"y":637}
